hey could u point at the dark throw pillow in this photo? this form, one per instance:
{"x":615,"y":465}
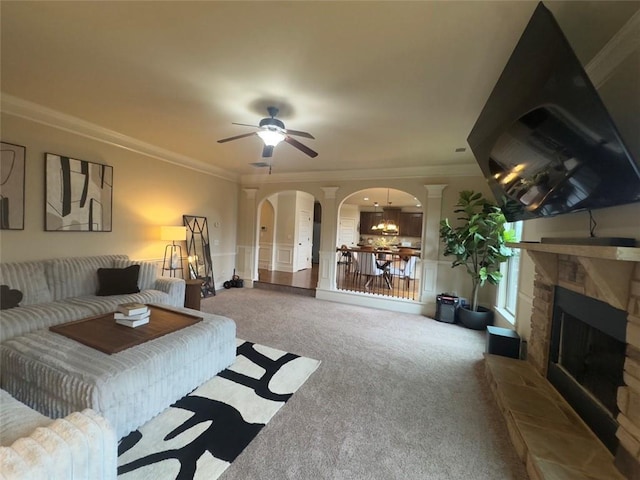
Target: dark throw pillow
{"x":117,"y":281}
{"x":9,"y":298}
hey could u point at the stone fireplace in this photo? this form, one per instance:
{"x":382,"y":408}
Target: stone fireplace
{"x":586,"y":359}
{"x":608,"y":276}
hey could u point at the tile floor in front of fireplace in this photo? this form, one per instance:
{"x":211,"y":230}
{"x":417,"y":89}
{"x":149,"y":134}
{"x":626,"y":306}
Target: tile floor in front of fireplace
{"x":545,"y":431}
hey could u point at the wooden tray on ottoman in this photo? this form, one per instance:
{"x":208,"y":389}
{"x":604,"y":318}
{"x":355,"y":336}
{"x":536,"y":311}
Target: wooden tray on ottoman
{"x":103,"y":333}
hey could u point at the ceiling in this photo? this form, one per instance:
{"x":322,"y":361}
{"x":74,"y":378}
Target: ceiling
{"x":379,"y":84}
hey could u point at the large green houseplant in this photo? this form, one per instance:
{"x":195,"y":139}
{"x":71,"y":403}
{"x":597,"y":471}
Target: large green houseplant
{"x":478,"y":241}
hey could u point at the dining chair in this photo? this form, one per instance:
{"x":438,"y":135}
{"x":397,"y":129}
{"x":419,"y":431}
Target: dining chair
{"x":405,"y":270}
{"x":369,"y":267}
{"x":355,"y":264}
{"x":345,"y":257}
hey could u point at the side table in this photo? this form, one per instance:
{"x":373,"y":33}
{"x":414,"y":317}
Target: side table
{"x":193,"y":293}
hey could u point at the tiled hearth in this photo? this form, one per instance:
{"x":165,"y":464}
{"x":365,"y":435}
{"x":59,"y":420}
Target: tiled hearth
{"x":608,"y":274}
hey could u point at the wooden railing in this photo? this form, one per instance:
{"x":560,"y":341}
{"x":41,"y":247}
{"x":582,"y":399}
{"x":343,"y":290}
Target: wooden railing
{"x":380,"y":272}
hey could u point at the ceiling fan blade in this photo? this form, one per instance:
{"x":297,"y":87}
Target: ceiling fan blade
{"x":267,"y":151}
{"x":298,"y":133}
{"x":245,"y":125}
{"x":300,"y":146}
{"x":236,"y":137}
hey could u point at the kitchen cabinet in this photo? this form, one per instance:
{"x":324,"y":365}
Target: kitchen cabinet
{"x":392,"y":215}
{"x":410,"y":224}
{"x":368,"y":220}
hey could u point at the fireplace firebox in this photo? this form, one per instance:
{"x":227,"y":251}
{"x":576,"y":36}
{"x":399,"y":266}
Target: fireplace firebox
{"x":586,"y":359}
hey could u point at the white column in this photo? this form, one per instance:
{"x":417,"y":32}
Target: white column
{"x":431,"y":243}
{"x":246,"y":255}
{"x":329,"y":232}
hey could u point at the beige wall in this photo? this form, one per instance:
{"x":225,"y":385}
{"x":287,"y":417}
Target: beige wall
{"x":147,"y":193}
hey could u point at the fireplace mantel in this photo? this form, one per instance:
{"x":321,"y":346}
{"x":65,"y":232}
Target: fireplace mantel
{"x":610,"y":268}
{"x":628,"y":254}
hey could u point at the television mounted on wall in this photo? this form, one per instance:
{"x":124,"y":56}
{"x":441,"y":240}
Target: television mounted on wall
{"x":544,"y":139}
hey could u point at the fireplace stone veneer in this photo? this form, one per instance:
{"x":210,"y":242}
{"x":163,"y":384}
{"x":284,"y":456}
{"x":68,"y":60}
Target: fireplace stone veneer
{"x":609,"y":274}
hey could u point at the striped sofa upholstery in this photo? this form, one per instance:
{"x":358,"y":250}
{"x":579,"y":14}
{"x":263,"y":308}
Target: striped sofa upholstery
{"x":83,"y":444}
{"x":80,"y":446}
{"x":63,"y":289}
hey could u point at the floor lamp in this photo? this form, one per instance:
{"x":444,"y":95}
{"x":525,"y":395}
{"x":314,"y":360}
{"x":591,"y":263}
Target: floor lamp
{"x":172,"y":252}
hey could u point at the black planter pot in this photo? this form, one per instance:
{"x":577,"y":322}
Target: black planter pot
{"x":475,"y":320}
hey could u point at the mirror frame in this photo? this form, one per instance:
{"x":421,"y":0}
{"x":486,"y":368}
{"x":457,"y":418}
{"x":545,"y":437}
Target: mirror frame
{"x":198,"y":247}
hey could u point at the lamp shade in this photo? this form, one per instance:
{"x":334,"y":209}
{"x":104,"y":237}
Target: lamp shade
{"x":173,"y":233}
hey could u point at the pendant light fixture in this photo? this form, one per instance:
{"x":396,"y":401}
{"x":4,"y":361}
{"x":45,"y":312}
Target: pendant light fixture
{"x":385,"y":227}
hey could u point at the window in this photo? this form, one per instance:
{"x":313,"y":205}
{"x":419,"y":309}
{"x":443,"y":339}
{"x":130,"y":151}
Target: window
{"x":508,"y":290}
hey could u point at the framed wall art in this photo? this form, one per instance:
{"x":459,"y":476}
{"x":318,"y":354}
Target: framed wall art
{"x":12,"y":186}
{"x":78,"y":195}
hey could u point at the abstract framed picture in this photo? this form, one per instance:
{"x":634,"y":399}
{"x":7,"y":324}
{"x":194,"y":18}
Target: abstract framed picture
{"x":78,"y":195}
{"x":12,"y":186}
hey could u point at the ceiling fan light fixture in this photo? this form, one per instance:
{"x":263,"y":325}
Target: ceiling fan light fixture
{"x":271,"y":137}
{"x":272,"y":132}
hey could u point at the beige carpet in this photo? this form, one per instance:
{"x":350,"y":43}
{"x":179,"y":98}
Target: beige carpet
{"x":397,"y":396}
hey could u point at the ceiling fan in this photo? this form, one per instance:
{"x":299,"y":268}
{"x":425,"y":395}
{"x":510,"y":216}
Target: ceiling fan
{"x":272,"y":132}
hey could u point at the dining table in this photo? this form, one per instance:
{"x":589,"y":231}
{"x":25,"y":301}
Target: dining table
{"x":385,"y":257}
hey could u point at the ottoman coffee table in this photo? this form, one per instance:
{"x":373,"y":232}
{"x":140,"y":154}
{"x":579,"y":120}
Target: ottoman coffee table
{"x":57,"y":375}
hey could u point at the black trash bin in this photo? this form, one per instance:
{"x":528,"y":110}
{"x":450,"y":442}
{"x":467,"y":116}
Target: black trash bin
{"x":446,"y":306}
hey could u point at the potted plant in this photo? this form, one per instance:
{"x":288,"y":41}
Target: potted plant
{"x":479,"y":243}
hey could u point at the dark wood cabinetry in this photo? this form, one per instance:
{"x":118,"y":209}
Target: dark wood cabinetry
{"x":410,"y":224}
{"x":392,"y":215}
{"x":368,"y":220}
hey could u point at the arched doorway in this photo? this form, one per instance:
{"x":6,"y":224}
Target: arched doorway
{"x":380,"y":235}
{"x":288,"y":235}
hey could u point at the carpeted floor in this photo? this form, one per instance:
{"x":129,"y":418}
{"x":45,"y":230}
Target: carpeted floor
{"x":397,"y":396}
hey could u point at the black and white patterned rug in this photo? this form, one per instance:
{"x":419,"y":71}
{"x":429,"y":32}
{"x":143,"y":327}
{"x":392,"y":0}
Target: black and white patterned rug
{"x":202,"y":433}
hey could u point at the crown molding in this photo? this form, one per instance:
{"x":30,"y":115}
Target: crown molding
{"x":330,"y":192}
{"x":18,"y":107}
{"x":250,"y":192}
{"x":621,"y":45}
{"x":435,"y":191}
{"x":52,"y":118}
{"x":429,"y":171}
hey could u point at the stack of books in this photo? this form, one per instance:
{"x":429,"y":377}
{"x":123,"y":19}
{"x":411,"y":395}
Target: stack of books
{"x":132,"y":314}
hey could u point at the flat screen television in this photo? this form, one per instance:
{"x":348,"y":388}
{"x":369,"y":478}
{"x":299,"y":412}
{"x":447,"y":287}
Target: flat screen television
{"x":544,"y":140}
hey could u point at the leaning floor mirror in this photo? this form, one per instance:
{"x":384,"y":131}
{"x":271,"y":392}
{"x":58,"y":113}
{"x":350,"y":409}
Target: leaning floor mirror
{"x":199,"y":253}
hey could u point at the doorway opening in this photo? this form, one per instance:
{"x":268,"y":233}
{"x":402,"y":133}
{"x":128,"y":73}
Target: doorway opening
{"x":379,"y":243}
{"x":289,"y":234}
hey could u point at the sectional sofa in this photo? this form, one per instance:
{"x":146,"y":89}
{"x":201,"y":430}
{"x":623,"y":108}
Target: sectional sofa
{"x":64,"y":289}
{"x":45,"y":378}
{"x":32,"y":446}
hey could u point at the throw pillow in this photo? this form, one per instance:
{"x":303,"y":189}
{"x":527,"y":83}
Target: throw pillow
{"x":30,"y":277}
{"x":9,"y":298}
{"x":118,"y":281}
{"x":149,"y":272}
